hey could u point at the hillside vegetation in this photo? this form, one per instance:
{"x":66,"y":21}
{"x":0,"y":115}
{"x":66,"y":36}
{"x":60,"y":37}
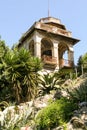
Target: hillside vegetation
{"x":29,"y":100}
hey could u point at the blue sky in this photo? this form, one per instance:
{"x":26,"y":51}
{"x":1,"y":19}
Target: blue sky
{"x":16,"y":16}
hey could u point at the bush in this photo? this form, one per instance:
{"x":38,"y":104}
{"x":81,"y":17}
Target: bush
{"x":78,"y":94}
{"x":55,"y":114}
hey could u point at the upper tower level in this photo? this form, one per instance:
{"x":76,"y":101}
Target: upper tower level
{"x":51,"y":25}
{"x":54,"y":25}
{"x":49,"y":39}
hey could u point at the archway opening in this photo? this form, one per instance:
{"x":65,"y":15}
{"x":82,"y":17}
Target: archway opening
{"x":46,"y":47}
{"x":65,"y":55}
{"x":47,"y":53}
{"x":63,"y":50}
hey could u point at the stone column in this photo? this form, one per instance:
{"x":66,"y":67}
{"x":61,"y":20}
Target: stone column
{"x":37,"y":46}
{"x":71,"y":56}
{"x":55,"y":53}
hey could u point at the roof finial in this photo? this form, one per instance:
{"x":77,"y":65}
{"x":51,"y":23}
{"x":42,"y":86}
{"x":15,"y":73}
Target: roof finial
{"x":48,"y":9}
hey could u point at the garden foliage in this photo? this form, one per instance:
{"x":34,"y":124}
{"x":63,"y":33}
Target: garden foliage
{"x":55,"y":114}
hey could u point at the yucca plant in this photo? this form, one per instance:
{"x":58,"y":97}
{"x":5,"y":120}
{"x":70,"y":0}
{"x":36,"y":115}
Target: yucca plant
{"x":20,"y":75}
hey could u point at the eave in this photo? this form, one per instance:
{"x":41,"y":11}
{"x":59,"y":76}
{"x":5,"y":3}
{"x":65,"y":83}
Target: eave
{"x":43,"y":28}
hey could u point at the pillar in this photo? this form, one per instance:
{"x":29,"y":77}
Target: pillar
{"x":37,"y":46}
{"x":71,"y":58}
{"x":55,"y":53}
{"x":70,"y":55}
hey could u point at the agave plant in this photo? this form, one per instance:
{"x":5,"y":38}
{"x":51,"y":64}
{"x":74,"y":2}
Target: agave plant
{"x":48,"y":82}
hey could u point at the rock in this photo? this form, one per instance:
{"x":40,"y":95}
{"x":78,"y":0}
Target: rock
{"x":26,"y":128}
{"x":77,"y":123}
{"x":58,"y":128}
{"x":42,"y":102}
{"x":1,"y":118}
{"x":82,"y":104}
{"x":58,"y":94}
{"x":12,"y":114}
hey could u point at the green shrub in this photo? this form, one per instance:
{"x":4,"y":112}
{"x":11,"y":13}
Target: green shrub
{"x":55,"y":114}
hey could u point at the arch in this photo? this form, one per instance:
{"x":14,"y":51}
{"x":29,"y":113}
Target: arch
{"x":63,"y":50}
{"x":46,"y":47}
{"x":31,"y":47}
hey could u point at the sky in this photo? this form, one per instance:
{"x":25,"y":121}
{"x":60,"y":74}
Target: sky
{"x":17,"y":16}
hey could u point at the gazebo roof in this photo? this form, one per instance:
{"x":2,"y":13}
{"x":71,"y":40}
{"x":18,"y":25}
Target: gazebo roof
{"x":50,"y":25}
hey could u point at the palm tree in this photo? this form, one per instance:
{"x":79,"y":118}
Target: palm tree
{"x":12,"y":75}
{"x":31,"y":65}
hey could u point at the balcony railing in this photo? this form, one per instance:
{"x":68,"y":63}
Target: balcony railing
{"x":49,"y":60}
{"x":65,"y":63}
